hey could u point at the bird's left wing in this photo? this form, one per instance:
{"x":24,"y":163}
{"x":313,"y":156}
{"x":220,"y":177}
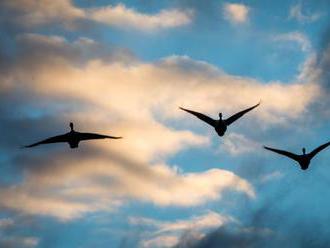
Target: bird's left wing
{"x":201,"y":116}
{"x":89,"y":136}
{"x":284,"y":153}
{"x":318,"y":149}
{"x":55,"y":139}
{"x":238,"y":115}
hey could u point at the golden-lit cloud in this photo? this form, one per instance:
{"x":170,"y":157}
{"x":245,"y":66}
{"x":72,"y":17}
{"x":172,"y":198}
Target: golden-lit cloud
{"x":236,"y":13}
{"x":121,"y":16}
{"x":44,"y":12}
{"x":33,"y":13}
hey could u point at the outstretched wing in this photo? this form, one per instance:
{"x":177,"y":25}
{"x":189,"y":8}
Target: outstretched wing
{"x":238,"y":115}
{"x":317,"y":150}
{"x":89,"y":136}
{"x":284,"y":153}
{"x":201,"y":116}
{"x":55,"y":139}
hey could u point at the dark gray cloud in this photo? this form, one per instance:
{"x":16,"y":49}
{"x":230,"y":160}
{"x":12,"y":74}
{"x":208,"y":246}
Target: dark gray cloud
{"x":323,"y":60}
{"x":284,"y":215}
{"x":224,"y":237}
{"x":16,"y":232}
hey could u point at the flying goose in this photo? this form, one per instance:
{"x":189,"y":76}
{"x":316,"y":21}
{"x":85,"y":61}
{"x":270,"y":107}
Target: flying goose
{"x":220,"y":125}
{"x":303,"y":159}
{"x":72,"y":137}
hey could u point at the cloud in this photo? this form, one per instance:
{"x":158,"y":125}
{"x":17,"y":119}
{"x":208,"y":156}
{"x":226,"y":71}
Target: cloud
{"x":231,"y":237}
{"x":134,"y":100}
{"x":297,"y":37}
{"x":19,"y":242}
{"x":92,"y":185}
{"x":6,"y":222}
{"x":7,"y":239}
{"x":296,"y":13}
{"x":32,"y":13}
{"x":168,"y":233}
{"x":271,"y":176}
{"x":160,"y":241}
{"x":61,"y":50}
{"x":123,"y":17}
{"x":315,"y":69}
{"x":236,"y":13}
{"x":208,"y":220}
{"x":237,"y":144}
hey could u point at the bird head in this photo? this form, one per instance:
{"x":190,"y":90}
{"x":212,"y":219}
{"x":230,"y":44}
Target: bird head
{"x":220,"y":116}
{"x":304,"y":150}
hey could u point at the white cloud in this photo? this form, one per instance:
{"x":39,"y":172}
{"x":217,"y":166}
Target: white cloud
{"x":123,"y":17}
{"x":271,"y":176}
{"x":296,"y":37}
{"x":236,"y":13}
{"x":167,"y":233}
{"x":208,"y":220}
{"x":160,"y":241}
{"x":237,"y":144}
{"x":296,"y":13}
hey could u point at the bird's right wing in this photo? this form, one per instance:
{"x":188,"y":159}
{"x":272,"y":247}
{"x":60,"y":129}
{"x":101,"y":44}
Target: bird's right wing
{"x":55,"y":139}
{"x":238,"y":115}
{"x":284,"y":153}
{"x":90,"y":136}
{"x":318,"y":149}
{"x":201,"y":116}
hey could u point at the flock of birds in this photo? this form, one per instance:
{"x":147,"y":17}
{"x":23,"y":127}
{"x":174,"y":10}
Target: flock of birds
{"x":73,"y":138}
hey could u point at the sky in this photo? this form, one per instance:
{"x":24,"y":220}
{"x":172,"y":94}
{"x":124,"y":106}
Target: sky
{"x":123,"y":68}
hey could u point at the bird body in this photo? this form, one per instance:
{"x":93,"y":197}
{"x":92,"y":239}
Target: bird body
{"x":302,"y":159}
{"x":72,"y":138}
{"x":220,"y":125}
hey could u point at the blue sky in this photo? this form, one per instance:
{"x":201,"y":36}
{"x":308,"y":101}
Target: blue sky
{"x":123,"y":68}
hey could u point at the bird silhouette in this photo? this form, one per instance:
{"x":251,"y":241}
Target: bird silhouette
{"x":72,"y":137}
{"x":220,"y":125}
{"x":303,"y":159}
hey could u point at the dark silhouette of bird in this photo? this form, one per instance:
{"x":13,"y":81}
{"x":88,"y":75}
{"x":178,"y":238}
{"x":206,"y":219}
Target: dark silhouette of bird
{"x":303,"y":159}
{"x":220,"y":125}
{"x":72,"y":137}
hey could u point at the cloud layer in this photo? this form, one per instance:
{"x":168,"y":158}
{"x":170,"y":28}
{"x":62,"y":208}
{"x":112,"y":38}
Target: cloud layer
{"x":134,"y":99}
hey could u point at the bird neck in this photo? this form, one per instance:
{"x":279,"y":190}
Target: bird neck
{"x":71,"y":126}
